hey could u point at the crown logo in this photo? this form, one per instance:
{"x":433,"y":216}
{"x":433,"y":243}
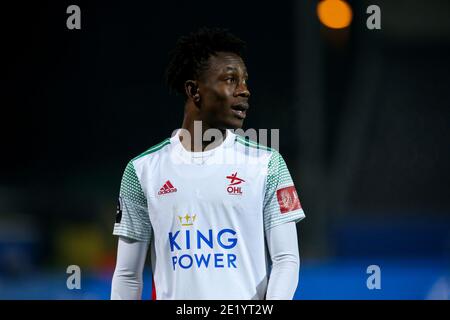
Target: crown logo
{"x":187,"y":220}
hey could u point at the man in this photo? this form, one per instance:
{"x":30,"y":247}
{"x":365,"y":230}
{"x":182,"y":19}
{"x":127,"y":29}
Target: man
{"x":219,"y":215}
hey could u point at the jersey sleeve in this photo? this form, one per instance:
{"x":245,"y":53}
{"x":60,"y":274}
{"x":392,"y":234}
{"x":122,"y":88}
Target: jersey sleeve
{"x":281,"y":202}
{"x":132,"y":218}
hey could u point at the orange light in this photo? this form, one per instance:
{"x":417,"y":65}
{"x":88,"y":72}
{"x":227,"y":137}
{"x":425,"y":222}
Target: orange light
{"x":336,"y":14}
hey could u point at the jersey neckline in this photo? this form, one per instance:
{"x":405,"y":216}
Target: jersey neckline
{"x":200,"y":157}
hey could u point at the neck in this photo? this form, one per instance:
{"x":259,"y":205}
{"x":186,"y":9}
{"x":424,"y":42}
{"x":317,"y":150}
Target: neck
{"x":193,"y":123}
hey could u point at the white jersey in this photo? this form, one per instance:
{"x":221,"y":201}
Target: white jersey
{"x":205,"y":214}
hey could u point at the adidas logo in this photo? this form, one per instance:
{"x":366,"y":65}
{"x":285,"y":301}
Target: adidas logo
{"x":167,"y":188}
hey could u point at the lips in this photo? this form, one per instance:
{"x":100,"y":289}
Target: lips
{"x":240,"y":110}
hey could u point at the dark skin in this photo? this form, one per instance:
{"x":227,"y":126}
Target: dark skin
{"x":219,"y":98}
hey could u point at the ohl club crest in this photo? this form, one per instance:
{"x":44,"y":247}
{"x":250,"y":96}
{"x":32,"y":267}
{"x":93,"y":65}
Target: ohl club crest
{"x":235,"y":188}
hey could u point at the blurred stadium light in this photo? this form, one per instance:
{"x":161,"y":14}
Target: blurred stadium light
{"x":336,"y":14}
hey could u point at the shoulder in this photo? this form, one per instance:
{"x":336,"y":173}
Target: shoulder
{"x":246,"y":142}
{"x":248,"y":146}
{"x":157,"y":148}
{"x":130,"y":168}
{"x":152,"y":151}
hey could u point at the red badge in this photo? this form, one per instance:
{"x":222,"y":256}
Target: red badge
{"x":288,"y":199}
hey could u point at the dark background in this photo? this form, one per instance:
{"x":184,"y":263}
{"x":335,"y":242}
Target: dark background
{"x":363,"y":118}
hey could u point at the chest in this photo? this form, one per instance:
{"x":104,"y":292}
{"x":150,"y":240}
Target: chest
{"x":171,"y":183}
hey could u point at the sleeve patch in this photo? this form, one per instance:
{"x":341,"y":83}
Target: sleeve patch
{"x":288,"y":199}
{"x":119,"y":210}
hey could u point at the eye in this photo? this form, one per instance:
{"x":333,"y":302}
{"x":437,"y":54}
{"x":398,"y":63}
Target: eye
{"x":230,"y":80}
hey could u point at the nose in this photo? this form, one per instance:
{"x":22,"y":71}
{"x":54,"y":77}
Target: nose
{"x":242,"y":90}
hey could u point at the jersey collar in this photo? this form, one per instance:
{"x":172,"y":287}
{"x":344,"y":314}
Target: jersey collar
{"x":202,"y":157}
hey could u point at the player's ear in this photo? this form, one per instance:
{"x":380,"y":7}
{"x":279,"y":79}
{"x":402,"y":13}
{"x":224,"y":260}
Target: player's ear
{"x":192,"y":91}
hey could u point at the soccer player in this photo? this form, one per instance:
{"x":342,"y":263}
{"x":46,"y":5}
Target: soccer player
{"x":218,"y":216}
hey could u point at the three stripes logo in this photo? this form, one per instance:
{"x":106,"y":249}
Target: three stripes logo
{"x":167,"y":188}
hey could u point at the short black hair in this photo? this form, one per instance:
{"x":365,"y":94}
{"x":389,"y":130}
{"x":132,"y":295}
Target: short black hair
{"x":191,"y":53}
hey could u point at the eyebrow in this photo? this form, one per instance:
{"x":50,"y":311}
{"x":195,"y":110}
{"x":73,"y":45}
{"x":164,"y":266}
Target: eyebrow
{"x":228,"y":68}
